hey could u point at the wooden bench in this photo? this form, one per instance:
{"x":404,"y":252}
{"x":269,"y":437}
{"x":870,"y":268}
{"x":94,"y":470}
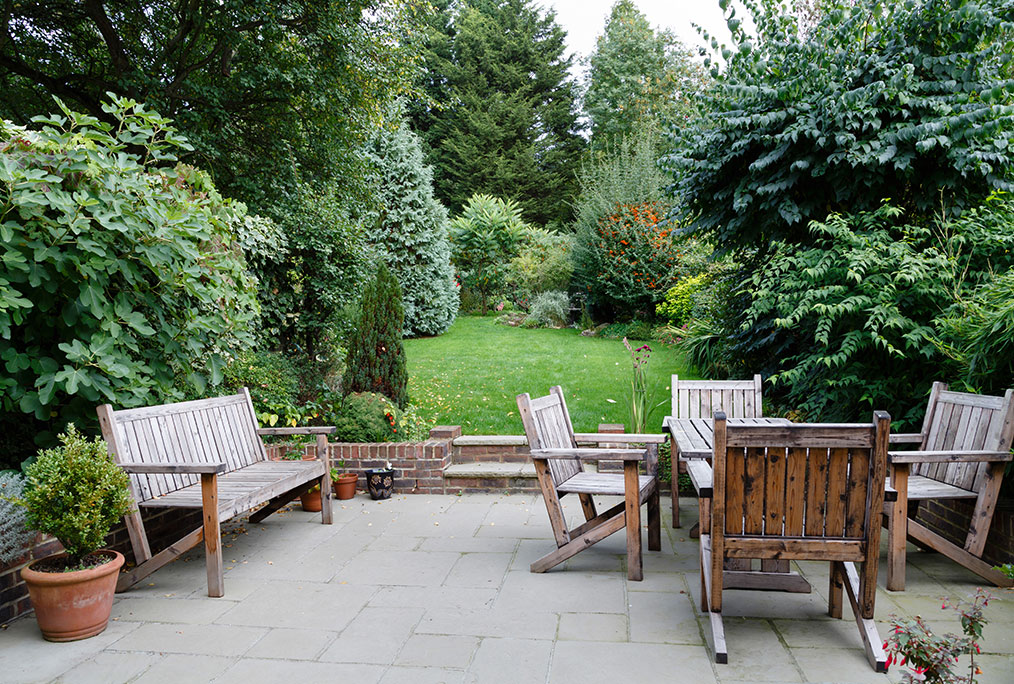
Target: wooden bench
{"x":205,"y":454}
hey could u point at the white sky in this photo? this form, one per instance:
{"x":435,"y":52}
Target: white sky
{"x":584,"y":20}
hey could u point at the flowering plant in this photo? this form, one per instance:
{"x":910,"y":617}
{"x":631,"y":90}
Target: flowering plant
{"x":640,"y":397}
{"x":931,"y":657}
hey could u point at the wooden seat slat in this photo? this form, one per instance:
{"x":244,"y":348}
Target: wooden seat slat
{"x":600,"y":483}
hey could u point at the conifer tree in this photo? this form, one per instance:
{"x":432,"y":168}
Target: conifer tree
{"x":410,"y":229}
{"x":376,"y":357}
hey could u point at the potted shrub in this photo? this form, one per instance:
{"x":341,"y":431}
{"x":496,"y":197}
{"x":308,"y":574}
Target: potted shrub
{"x":310,"y":500}
{"x":76,"y":493}
{"x":344,"y":482}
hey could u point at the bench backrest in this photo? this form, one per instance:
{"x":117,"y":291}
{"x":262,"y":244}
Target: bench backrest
{"x":547,"y":426}
{"x":221,"y":429}
{"x":704,"y":398}
{"x":960,"y":421}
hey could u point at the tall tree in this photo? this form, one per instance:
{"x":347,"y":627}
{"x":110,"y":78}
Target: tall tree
{"x":638,"y":78}
{"x":501,"y":117}
{"x":409,"y":228}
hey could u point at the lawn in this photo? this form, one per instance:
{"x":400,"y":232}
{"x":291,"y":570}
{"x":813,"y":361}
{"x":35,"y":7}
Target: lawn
{"x":470,"y":375}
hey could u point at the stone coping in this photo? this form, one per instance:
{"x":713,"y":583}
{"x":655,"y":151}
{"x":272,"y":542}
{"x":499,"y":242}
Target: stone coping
{"x":491,"y":440}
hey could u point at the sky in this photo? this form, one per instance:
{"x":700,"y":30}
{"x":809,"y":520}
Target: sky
{"x":584,"y":20}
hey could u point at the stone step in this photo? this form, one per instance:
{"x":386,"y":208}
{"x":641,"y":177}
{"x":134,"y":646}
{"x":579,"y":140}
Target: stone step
{"x":489,"y":470}
{"x":490,"y":476}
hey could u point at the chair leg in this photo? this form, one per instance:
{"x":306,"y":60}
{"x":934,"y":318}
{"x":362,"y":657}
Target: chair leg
{"x":834,"y":592}
{"x":867,"y":626}
{"x":212,"y":535}
{"x":674,"y":492}
{"x":897,"y":528}
{"x":588,"y":506}
{"x":654,"y":522}
{"x":708,"y":602}
{"x":580,"y":542}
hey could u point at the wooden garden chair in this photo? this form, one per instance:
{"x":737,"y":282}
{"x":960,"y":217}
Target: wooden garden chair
{"x":701,"y":399}
{"x":796,"y":492}
{"x":558,"y":465}
{"x":963,"y":448}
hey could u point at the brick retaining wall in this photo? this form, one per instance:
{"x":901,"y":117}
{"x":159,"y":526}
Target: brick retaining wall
{"x":951,"y":518}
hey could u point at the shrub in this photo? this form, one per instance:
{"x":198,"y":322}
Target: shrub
{"x":680,"y":300}
{"x":549,"y":310}
{"x":365,"y":417}
{"x":629,"y":260}
{"x":410,"y":228}
{"x":76,"y":493}
{"x":122,"y":279}
{"x":544,"y":263}
{"x":484,"y":238}
{"x":903,"y":100}
{"x":15,"y":535}
{"x":270,"y":377}
{"x":376,"y":356}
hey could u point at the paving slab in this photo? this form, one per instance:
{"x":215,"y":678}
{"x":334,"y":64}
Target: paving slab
{"x":387,"y":595}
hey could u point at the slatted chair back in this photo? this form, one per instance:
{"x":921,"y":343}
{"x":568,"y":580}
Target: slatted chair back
{"x":801,"y":491}
{"x":222,"y":429}
{"x":547,"y":426}
{"x":959,"y":421}
{"x":704,"y":398}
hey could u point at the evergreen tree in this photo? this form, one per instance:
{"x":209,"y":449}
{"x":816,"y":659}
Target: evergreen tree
{"x":409,"y":227}
{"x":502,"y":118}
{"x":638,"y":77}
{"x":376,"y":357}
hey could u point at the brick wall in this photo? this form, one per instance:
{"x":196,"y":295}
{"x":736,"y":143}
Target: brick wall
{"x":164,"y":527}
{"x":950,"y":518}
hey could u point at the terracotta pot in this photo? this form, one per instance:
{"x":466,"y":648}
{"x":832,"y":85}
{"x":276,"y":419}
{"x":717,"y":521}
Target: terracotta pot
{"x":73,"y":605}
{"x":345,"y":485}
{"x":309,"y":457}
{"x":380,"y":483}
{"x":310,"y":501}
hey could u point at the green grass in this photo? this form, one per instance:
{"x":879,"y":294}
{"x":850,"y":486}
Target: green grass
{"x":470,"y":375}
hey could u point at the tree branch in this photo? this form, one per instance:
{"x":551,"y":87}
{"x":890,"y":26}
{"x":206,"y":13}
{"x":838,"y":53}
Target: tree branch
{"x":117,"y":53}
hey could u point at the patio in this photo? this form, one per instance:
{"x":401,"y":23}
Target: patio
{"x":434,"y":588}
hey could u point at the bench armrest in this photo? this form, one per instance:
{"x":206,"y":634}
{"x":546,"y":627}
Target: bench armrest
{"x":619,"y":438}
{"x":701,"y":476}
{"x":274,"y":432}
{"x":175,"y":468}
{"x":947,"y":456}
{"x":905,"y":438}
{"x":592,"y":454}
{"x":890,"y":493}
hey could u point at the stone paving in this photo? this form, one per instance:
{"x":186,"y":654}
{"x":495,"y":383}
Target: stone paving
{"x":427,"y":589}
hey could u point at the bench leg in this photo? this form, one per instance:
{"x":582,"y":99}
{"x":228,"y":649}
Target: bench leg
{"x":212,"y":534}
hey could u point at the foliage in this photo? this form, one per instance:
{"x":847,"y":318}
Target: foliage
{"x":500,"y":116}
{"x":932,"y":658}
{"x":635,"y":329}
{"x":274,"y":386}
{"x":15,"y":535}
{"x":484,"y":238}
{"x":629,"y":261}
{"x":982,"y":332}
{"x":705,"y":342}
{"x":544,"y":263}
{"x":549,"y":310}
{"x":908,"y":101}
{"x":122,"y":280}
{"x":76,"y":493}
{"x":638,"y":78}
{"x":365,"y":417}
{"x":269,"y":93}
{"x":679,"y":300}
{"x":410,"y":229}
{"x":376,"y":357}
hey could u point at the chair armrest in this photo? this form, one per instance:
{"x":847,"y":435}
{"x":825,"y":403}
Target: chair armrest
{"x":890,"y":493}
{"x":619,"y":438}
{"x":701,"y":476}
{"x":592,"y":454}
{"x":905,"y":438}
{"x":274,"y":432}
{"x":947,"y":456}
{"x":175,"y":468}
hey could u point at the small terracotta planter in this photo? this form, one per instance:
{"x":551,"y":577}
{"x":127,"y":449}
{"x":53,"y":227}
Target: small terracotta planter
{"x":309,"y":457}
{"x":73,"y":605}
{"x":310,"y":501}
{"x":345,"y":485}
{"x":380,"y":483}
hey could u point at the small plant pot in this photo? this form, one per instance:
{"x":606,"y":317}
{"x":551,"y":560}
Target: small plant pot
{"x":310,"y":501}
{"x":380,"y":483}
{"x":309,"y":457}
{"x":345,"y":485}
{"x":73,"y":605}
